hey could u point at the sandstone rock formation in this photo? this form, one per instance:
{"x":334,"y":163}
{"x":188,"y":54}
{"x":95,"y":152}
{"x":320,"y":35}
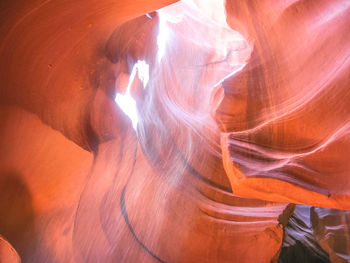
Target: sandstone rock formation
{"x":186,"y":134}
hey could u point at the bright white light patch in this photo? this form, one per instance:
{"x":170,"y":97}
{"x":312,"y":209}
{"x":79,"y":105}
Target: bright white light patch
{"x":126,"y":102}
{"x":128,"y":105}
{"x":143,"y":72}
{"x":162,"y":37}
{"x":170,"y":14}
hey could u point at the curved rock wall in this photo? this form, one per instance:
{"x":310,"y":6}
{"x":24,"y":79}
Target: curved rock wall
{"x":185,"y":134}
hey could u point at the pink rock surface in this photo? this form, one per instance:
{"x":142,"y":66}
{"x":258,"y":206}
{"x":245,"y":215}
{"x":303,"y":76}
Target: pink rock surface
{"x":236,"y":117}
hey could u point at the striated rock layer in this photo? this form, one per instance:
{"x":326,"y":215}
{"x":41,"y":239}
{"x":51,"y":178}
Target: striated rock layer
{"x":185,"y":134}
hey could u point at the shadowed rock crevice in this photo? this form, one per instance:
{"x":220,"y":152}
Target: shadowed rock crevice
{"x":16,"y":212}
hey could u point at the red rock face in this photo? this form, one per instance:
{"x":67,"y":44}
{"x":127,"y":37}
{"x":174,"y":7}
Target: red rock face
{"x":7,"y":252}
{"x":177,"y":136}
{"x":282,"y":135}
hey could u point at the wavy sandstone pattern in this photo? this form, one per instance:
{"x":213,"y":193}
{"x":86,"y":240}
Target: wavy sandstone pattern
{"x":242,"y":111}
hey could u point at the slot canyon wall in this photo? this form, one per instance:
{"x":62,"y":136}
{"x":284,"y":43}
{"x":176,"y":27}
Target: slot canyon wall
{"x":165,"y":131}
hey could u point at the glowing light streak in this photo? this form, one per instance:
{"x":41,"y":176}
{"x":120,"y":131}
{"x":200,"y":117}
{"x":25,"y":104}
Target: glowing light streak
{"x":230,"y":75}
{"x":128,"y":105}
{"x":143,"y":72}
{"x":162,"y":38}
{"x":125,"y":101}
{"x":170,"y":14}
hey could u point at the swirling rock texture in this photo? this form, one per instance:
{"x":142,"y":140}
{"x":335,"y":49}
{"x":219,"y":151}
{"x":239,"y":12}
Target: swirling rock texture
{"x":186,"y":134}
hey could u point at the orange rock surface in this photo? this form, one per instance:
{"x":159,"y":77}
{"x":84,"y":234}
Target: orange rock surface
{"x":241,"y":118}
